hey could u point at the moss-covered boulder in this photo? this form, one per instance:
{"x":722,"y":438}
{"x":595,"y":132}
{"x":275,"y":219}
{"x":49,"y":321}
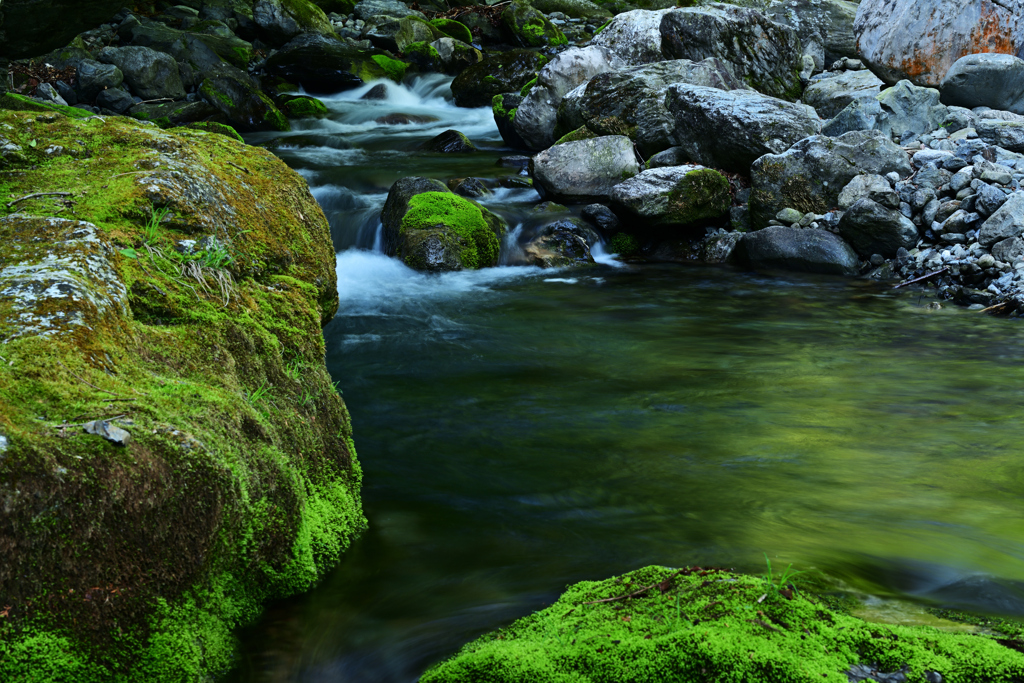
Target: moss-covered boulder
{"x":582,"y":9}
{"x":674,"y":195}
{"x":172,"y":450}
{"x":453,"y":29}
{"x":497,"y":73}
{"x":397,"y":34}
{"x":166,"y":114}
{"x":424,"y":56}
{"x":241,"y":102}
{"x":201,"y":50}
{"x":528,"y":27}
{"x":456,"y":55}
{"x":658,"y":624}
{"x":324,"y":65}
{"x":282,"y":20}
{"x":304,"y":107}
{"x":504,"y":107}
{"x":449,"y":142}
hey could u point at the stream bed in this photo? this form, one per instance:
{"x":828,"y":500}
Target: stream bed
{"x":522,"y":429}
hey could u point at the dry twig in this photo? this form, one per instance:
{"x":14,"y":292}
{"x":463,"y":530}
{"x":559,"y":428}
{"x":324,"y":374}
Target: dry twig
{"x":39,"y":194}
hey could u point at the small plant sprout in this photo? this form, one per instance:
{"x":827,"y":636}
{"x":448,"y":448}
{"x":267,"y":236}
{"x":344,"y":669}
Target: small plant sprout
{"x":293,"y":369}
{"x":151,"y":230}
{"x":258,"y":394}
{"x":773,"y":588}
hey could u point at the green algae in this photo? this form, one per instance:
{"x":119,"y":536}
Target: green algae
{"x":304,"y":108}
{"x":453,"y":29}
{"x":393,"y":69}
{"x":138,"y":562}
{"x":711,"y":625}
{"x":467,"y":228}
{"x":15,"y":102}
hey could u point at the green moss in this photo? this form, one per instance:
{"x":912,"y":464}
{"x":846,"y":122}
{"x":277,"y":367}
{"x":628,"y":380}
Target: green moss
{"x":222,"y":500}
{"x":208,"y":90}
{"x":308,"y":16}
{"x":698,"y":195}
{"x":393,"y":69}
{"x":581,"y":133}
{"x":711,"y":626}
{"x":304,"y":108}
{"x":15,"y":102}
{"x":477,"y":243}
{"x":453,"y":28}
{"x":528,"y":86}
{"x":424,"y":55}
{"x":624,"y":244}
{"x":214,"y":127}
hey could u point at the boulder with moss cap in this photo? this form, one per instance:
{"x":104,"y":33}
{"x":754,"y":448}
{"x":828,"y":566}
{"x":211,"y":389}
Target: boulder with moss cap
{"x":674,"y":195}
{"x":282,"y":20}
{"x":323,"y":65}
{"x":217,"y":503}
{"x":528,"y":27}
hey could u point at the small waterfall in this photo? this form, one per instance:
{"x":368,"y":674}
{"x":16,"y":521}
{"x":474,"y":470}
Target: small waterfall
{"x":511,"y":252}
{"x":601,"y":255}
{"x":378,"y":239}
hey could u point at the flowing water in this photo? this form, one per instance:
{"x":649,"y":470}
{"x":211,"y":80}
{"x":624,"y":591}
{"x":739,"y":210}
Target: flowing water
{"x":522,"y":429}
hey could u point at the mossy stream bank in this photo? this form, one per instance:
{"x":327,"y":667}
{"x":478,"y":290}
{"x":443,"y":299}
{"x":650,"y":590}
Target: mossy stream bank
{"x":171,"y":286}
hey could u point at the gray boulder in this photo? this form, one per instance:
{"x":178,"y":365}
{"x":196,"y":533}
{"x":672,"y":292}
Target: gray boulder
{"x":116,"y":100}
{"x":282,"y":20}
{"x":831,"y":95}
{"x":674,"y":195}
{"x":150,"y":74}
{"x":1009,"y":250}
{"x":365,"y":9}
{"x":802,"y":249}
{"x":810,"y":175}
{"x":536,"y":116}
{"x":635,"y":36}
{"x":730,"y":129}
{"x":871,"y":228}
{"x":985,"y":80}
{"x":764,"y":54}
{"x":585,"y":169}
{"x":202,"y":50}
{"x":94,"y":77}
{"x":618,"y":102}
{"x":830,"y":22}
{"x":912,"y":108}
{"x":1006,"y":134}
{"x":871,"y":186}
{"x":1005,"y":223}
{"x":857,"y":115}
{"x":920,"y":40}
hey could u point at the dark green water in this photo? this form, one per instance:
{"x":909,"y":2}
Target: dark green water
{"x":523,"y":429}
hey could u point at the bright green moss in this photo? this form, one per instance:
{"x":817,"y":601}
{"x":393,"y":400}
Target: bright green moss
{"x":214,"y":127}
{"x":453,"y":29}
{"x":581,"y":133}
{"x":528,"y":86}
{"x":304,"y":108}
{"x":711,"y":626}
{"x":15,"y":102}
{"x":699,"y":195}
{"x":393,"y":69}
{"x":462,"y":221}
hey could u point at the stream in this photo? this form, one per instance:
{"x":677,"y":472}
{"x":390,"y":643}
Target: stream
{"x":521,"y":429}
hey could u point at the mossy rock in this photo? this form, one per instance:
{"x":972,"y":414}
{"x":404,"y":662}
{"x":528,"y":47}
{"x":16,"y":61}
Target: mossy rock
{"x":582,"y":9}
{"x":712,"y":625}
{"x":168,"y":114}
{"x":304,"y":108}
{"x":452,"y":29}
{"x":15,"y":102}
{"x":282,"y":20}
{"x":449,"y":142}
{"x":424,"y":55}
{"x":504,"y":108}
{"x":528,"y":27}
{"x":699,"y":195}
{"x":245,"y":107}
{"x":498,"y":73}
{"x":213,"y":127}
{"x":581,"y":133}
{"x":342,"y":7}
{"x":239,"y":482}
{"x":443,"y":231}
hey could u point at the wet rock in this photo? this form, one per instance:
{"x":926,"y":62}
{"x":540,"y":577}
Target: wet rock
{"x":829,"y":96}
{"x":233,"y":93}
{"x":449,"y":142}
{"x":365,"y":9}
{"x":801,"y":249}
{"x":764,"y":54}
{"x":985,"y":80}
{"x":674,"y":195}
{"x":504,"y":107}
{"x":634,"y":36}
{"x":827,"y":21}
{"x":94,"y":77}
{"x":498,"y":73}
{"x":468,"y":187}
{"x":1006,"y":223}
{"x":109,"y":431}
{"x":719,"y":247}
{"x":397,"y":204}
{"x":871,"y":228}
{"x":174,"y":113}
{"x":399,"y":34}
{"x":442,"y":231}
{"x":526,"y":26}
{"x":587,"y":169}
{"x":321,"y":64}
{"x":673,"y":156}
{"x":282,"y":20}
{"x":150,"y":74}
{"x":871,"y":186}
{"x":601,"y":217}
{"x":730,"y":129}
{"x":202,"y":50}
{"x":581,"y":9}
{"x":455,"y":55}
{"x":536,"y":116}
{"x":115,"y":99}
{"x":377,"y":92}
{"x":812,"y":173}
{"x":565,"y":242}
{"x":920,"y":40}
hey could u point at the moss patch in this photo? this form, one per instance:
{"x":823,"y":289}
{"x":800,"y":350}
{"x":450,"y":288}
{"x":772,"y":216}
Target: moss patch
{"x":712,"y":625}
{"x":468,"y":231}
{"x":240,"y":483}
{"x":304,"y":108}
{"x":452,"y":28}
{"x":15,"y":102}
{"x":699,"y":195}
{"x":581,"y":133}
{"x":393,"y":69}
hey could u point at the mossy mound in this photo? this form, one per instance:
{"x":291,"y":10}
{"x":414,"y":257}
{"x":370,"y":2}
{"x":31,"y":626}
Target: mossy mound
{"x":452,"y":29}
{"x":711,"y":625}
{"x":699,"y":195}
{"x":237,"y":482}
{"x":424,"y":55}
{"x":581,"y":133}
{"x":304,"y":108}
{"x":15,"y":102}
{"x":443,"y":231}
{"x":528,"y":27}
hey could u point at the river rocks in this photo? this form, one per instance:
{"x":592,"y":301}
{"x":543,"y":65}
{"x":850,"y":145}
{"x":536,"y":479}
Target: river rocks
{"x":985,"y":80}
{"x":674,"y":195}
{"x":601,"y":217}
{"x":831,"y":95}
{"x":535,"y":117}
{"x":528,"y":27}
{"x":730,"y":129}
{"x":245,"y":107}
{"x":919,"y":40}
{"x":441,"y":231}
{"x":861,"y":114}
{"x":498,"y":73}
{"x":912,"y":108}
{"x":321,"y":64}
{"x":94,"y":77}
{"x":871,"y":186}
{"x":1006,"y":223}
{"x":367,"y":9}
{"x":582,"y":9}
{"x":455,"y":55}
{"x":801,"y":249}
{"x":399,"y":34}
{"x":150,"y":74}
{"x":1006,"y":134}
{"x":29,"y":28}
{"x":871,"y":228}
{"x":397,"y":204}
{"x":827,"y":22}
{"x":116,"y":100}
{"x":449,"y":142}
{"x":282,"y":20}
{"x":634,"y":37}
{"x":504,"y":108}
{"x":587,"y":169}
{"x":562,"y":243}
{"x":203,"y":50}
{"x":764,"y":54}
{"x":811,"y":174}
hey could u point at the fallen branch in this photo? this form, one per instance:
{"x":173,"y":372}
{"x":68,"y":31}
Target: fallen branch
{"x":107,"y":419}
{"x":39,"y":194}
{"x":162,"y":99}
{"x":766,"y":625}
{"x":89,"y":383}
{"x":923,"y":277}
{"x":240,"y":168}
{"x":995,"y":306}
{"x":662,"y":586}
